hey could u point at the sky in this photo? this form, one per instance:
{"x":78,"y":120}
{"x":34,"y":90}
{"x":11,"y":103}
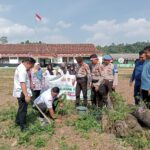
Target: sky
{"x":101,"y":22}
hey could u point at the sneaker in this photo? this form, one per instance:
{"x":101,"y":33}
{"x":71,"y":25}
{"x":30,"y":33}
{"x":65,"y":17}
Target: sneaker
{"x":40,"y":119}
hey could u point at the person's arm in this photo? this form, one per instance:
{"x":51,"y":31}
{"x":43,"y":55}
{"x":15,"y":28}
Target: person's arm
{"x":101,"y":74}
{"x":22,"y":79}
{"x":52,"y":114}
{"x":132,"y":77}
{"x":87,"y":68}
{"x":24,"y":91}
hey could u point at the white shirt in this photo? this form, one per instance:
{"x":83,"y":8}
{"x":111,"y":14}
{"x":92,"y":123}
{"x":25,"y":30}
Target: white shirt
{"x":21,"y":75}
{"x":46,"y":73}
{"x":46,"y":98}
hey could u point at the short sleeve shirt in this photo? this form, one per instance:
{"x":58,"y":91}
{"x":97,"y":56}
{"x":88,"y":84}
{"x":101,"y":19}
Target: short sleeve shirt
{"x":46,"y":98}
{"x":21,"y":75}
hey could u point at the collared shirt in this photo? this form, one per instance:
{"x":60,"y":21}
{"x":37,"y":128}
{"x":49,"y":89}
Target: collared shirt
{"x":21,"y":75}
{"x":97,"y":73}
{"x":111,"y":73}
{"x":145,"y":78}
{"x":137,"y":72}
{"x":45,"y":98}
{"x":82,"y":70}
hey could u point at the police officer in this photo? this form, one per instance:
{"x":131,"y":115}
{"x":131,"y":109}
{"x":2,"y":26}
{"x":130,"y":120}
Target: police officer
{"x":110,"y":76}
{"x":82,"y":78}
{"x":96,"y":81}
{"x":110,"y":73}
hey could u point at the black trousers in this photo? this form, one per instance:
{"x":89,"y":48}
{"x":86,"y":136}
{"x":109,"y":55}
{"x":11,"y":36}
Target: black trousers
{"x":22,"y":111}
{"x":98,"y":98}
{"x":44,"y":108}
{"x":35,"y":94}
{"x":81,"y":86}
{"x":146,"y":98}
{"x":137,"y":93}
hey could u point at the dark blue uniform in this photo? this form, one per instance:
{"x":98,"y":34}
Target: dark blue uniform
{"x":136,"y":76}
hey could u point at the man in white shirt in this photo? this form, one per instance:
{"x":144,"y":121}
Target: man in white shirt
{"x":45,"y":101}
{"x":22,"y":90}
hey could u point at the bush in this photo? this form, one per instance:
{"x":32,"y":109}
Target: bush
{"x":86,"y":123}
{"x":120,"y":109}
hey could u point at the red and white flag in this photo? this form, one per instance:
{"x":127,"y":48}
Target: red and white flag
{"x":38,"y":17}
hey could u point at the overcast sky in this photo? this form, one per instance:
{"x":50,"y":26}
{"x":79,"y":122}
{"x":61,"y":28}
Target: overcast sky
{"x":101,"y":22}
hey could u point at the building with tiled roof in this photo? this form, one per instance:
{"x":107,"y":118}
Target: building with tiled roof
{"x":44,"y":53}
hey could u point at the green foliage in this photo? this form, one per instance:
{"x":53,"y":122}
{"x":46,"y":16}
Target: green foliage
{"x":86,"y":123}
{"x":120,"y":109}
{"x":67,"y":108}
{"x":7,"y":114}
{"x":124,"y":48}
{"x":35,"y":129}
{"x":119,"y":112}
{"x":139,"y":143}
{"x":40,"y":142}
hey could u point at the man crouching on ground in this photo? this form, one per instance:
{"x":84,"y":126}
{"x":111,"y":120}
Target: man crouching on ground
{"x":45,"y":102}
{"x":22,"y":90}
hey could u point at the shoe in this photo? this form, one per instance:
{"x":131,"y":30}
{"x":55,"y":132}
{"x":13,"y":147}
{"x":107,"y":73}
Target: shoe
{"x":77,"y":104}
{"x":17,"y":123}
{"x":23,"y":128}
{"x":40,"y":119}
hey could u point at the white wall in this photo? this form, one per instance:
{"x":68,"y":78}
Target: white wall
{"x":13,"y":60}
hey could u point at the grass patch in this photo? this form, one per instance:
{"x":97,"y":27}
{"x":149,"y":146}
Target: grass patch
{"x":85,"y":123}
{"x":35,"y":129}
{"x":64,"y":146}
{"x":139,"y":143}
{"x":120,"y":109}
{"x":39,"y":142}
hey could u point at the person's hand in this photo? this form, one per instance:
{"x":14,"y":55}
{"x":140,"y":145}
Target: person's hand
{"x":89,"y":85}
{"x":130,"y":84}
{"x":114,"y":87}
{"x":73,"y":82}
{"x":32,"y":86}
{"x":27,"y":98}
{"x":61,"y":105}
{"x":96,"y":88}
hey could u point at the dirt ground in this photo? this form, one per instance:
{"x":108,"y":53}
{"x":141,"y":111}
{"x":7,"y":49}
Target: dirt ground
{"x":95,"y":141}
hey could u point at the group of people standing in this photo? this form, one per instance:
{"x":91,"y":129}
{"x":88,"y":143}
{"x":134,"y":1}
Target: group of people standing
{"x":141,"y":76}
{"x":29,"y":81}
{"x":100,"y":78}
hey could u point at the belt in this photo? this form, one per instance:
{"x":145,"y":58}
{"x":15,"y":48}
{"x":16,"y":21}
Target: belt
{"x":81,"y":77}
{"x":95,"y":81}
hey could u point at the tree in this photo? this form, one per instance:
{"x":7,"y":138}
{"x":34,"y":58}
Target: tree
{"x":123,"y":48}
{"x":3,"y":40}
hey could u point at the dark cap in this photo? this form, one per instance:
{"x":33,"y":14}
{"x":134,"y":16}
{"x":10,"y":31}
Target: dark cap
{"x":93,"y":56}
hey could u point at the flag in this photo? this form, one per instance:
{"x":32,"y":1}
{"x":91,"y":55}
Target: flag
{"x":38,"y":17}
